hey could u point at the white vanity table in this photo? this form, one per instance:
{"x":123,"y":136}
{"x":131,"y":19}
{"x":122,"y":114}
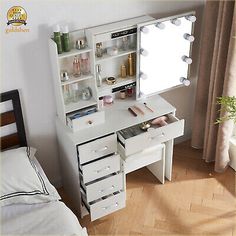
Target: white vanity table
{"x":96,"y":157}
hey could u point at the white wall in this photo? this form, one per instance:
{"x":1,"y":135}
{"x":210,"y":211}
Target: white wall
{"x":25,"y":60}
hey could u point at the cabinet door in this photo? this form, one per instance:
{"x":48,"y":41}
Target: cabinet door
{"x":162,"y":49}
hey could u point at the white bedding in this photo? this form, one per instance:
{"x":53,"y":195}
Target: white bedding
{"x":44,"y":218}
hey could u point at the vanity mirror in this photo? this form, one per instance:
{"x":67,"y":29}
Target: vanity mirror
{"x":164,"y":56}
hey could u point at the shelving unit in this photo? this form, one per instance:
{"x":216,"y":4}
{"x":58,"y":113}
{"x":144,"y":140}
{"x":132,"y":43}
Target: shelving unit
{"x":107,"y":57}
{"x":80,"y":105}
{"x":73,"y":52}
{"x":73,"y":79}
{"x":106,"y":89}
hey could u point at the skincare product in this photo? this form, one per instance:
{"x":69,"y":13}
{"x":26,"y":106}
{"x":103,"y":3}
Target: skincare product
{"x":123,"y":71}
{"x":76,"y":67}
{"x":130,"y":65}
{"x":65,"y":39}
{"x":99,"y":50}
{"x":57,"y":38}
{"x":98,"y":75}
{"x":85,"y":68}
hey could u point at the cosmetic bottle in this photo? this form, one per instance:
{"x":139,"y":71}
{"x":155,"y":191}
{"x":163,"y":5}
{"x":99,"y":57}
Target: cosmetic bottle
{"x":98,"y":75}
{"x":65,"y":39}
{"x":85,"y":68}
{"x":123,"y":71}
{"x":125,"y":43}
{"x":99,"y":51}
{"x":57,"y":38}
{"x":76,"y":67}
{"x":130,"y":65}
{"x":66,"y":94}
{"x":75,"y":92}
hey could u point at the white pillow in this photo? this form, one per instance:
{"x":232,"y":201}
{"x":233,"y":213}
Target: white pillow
{"x":21,"y":182}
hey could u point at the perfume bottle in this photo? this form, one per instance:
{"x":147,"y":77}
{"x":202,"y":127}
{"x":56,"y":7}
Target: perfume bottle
{"x":76,"y":67}
{"x":85,"y":68}
{"x":98,"y":75}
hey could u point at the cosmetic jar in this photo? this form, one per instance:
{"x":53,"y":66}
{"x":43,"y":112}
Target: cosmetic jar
{"x":111,"y":80}
{"x":108,"y":99}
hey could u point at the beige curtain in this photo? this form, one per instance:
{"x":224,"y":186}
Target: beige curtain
{"x":217,"y":77}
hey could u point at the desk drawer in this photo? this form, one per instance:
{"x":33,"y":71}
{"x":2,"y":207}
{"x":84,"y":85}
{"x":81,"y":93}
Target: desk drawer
{"x":104,"y":187}
{"x":97,"y":148}
{"x":100,"y":168}
{"x":105,"y":206}
{"x":138,"y":140}
{"x":87,"y":121}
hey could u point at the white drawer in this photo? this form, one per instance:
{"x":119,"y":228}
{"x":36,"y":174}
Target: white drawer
{"x":100,"y":168}
{"x":86,"y":121}
{"x":98,"y":148}
{"x":106,"y":206}
{"x":152,"y":137}
{"x":104,"y":187}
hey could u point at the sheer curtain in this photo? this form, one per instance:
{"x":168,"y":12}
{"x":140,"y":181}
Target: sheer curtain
{"x":217,"y":77}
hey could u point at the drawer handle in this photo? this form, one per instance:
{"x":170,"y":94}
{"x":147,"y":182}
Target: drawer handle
{"x":103,"y":169}
{"x":104,"y":190}
{"x":107,"y":207}
{"x":101,"y":150}
{"x":157,"y":136}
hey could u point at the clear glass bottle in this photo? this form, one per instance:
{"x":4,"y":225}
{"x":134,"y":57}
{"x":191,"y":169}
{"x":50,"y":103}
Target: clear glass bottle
{"x":75,"y":92}
{"x":125,"y":43}
{"x":66,"y":94}
{"x":85,"y":67}
{"x":98,"y":75}
{"x":76,"y":67}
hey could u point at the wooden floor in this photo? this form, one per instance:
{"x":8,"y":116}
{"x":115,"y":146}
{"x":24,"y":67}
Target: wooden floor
{"x":196,"y":201}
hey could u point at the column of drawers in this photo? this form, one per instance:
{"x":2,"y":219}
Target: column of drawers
{"x":102,"y":179}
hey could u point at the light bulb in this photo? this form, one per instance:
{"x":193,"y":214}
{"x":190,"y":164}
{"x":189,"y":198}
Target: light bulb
{"x":143,"y":76}
{"x":186,"y":59}
{"x":160,"y":25}
{"x":143,"y":52}
{"x":189,"y":37}
{"x":191,"y":18}
{"x":184,"y":81}
{"x":176,"y":22}
{"x":144,"y":30}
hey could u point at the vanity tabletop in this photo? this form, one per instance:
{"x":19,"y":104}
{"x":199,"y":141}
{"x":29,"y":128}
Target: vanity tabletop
{"x":117,"y":117}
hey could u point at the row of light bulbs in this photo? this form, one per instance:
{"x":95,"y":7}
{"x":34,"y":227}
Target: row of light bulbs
{"x":186,"y":59}
{"x":183,"y":80}
{"x":175,"y":21}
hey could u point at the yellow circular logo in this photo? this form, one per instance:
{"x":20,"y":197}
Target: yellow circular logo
{"x":16,"y":16}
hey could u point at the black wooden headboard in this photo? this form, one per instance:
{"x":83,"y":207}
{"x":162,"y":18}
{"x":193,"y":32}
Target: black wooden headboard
{"x":14,"y":116}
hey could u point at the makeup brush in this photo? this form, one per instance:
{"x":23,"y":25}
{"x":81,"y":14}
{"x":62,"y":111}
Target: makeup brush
{"x":145,"y":104}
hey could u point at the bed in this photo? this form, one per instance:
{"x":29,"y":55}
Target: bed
{"x":29,"y":203}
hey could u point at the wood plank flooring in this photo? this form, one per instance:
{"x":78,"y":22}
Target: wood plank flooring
{"x":197,"y":201}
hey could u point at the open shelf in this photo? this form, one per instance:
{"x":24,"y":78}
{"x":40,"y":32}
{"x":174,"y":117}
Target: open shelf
{"x":73,"y":52}
{"x":73,"y":79}
{"x":73,"y":106}
{"x":108,"y":57}
{"x":106,"y":89}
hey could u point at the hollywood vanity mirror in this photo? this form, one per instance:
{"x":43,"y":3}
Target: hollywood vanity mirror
{"x":165,"y":54}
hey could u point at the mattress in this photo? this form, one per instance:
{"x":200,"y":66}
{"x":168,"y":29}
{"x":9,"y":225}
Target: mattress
{"x":44,"y":218}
